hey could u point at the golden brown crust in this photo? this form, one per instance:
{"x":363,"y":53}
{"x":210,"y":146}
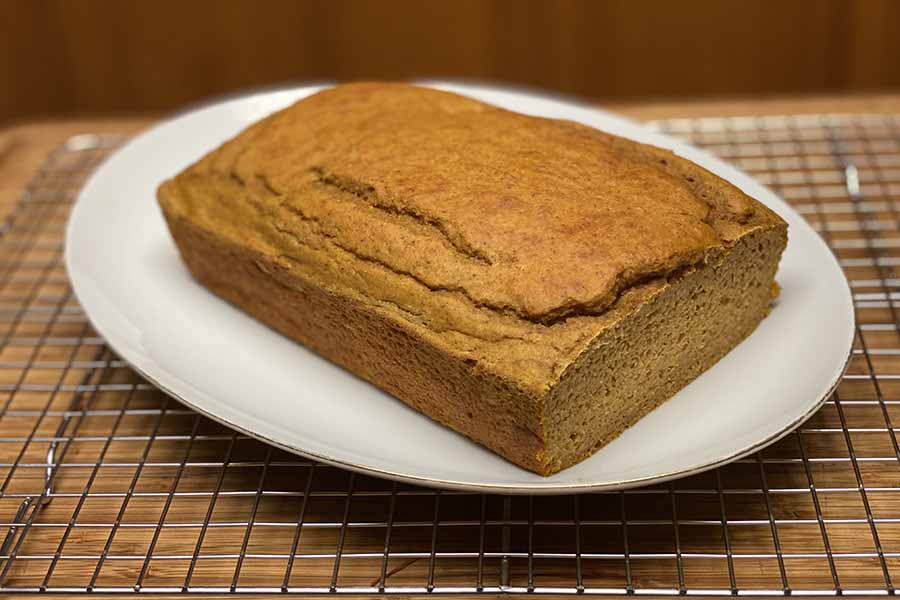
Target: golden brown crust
{"x":377,"y":347}
{"x":494,"y":230}
{"x":500,"y":241}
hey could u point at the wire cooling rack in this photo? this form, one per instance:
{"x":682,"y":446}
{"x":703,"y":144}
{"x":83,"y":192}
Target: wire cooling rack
{"x":108,"y":485}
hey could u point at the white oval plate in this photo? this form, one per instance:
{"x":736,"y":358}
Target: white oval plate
{"x":128,"y":277}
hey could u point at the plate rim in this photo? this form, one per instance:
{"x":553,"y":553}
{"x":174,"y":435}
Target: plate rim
{"x":549,"y":488}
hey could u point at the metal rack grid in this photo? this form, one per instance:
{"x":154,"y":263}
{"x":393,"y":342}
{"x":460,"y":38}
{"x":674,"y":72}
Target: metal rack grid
{"x":108,"y":485}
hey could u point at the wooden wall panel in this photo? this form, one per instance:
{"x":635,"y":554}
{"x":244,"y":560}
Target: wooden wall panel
{"x":869,"y":48}
{"x":99,"y":56}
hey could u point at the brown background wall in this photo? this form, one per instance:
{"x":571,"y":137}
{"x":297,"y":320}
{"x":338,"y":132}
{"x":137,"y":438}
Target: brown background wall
{"x":61,"y":57}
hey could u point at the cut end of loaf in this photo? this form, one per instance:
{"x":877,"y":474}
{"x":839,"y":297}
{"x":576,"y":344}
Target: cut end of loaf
{"x":683,"y":331}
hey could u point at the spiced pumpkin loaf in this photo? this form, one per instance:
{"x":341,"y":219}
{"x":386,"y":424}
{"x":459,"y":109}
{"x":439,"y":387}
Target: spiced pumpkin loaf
{"x":535,"y":284}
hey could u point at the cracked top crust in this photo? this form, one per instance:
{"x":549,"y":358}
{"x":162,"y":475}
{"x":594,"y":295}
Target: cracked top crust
{"x":509,"y":239}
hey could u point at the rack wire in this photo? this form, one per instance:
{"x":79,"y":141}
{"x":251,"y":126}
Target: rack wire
{"x":106,"y":484}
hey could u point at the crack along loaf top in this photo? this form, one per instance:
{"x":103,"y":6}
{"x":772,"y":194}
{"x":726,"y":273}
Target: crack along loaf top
{"x":484,"y":229}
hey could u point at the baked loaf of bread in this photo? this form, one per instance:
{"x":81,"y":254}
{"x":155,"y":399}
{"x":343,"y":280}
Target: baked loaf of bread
{"x":535,"y":284}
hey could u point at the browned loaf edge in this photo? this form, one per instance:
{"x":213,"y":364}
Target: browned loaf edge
{"x":349,"y":222}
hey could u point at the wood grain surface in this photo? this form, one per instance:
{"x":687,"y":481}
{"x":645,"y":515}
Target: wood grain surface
{"x":97,"y":56}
